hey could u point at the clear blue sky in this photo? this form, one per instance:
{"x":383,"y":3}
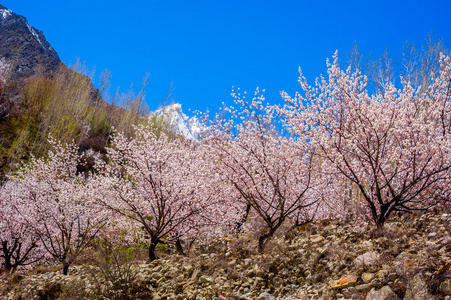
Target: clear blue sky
{"x":206,"y":47}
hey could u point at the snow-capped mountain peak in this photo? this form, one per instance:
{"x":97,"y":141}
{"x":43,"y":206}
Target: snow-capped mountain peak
{"x":179,"y":123}
{"x":5,"y":13}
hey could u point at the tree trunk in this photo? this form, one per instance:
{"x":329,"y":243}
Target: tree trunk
{"x":380,"y":221}
{"x":7,"y":264}
{"x":152,"y":247}
{"x":243,"y":219}
{"x":6,"y":257}
{"x":263,"y":239}
{"x":65,"y":269}
{"x":179,"y":247}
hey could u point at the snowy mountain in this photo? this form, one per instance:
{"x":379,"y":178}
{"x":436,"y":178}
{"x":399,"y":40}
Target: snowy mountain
{"x":179,"y":123}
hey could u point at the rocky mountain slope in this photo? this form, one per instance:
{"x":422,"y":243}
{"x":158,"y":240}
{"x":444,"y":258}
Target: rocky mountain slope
{"x":322,"y":260}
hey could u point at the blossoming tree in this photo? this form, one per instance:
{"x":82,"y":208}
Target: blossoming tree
{"x":56,"y":203}
{"x":19,"y":245}
{"x":395,"y":147}
{"x":267,"y":172}
{"x":165,"y":186}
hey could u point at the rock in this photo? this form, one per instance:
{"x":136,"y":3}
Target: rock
{"x":384,"y":293}
{"x":157,"y":269}
{"x":316,"y":239}
{"x":430,"y":244}
{"x":367,"y":277}
{"x":368,"y":244}
{"x":235,"y":295}
{"x":363,"y":287}
{"x":382,"y":275}
{"x":377,"y":283}
{"x":195,"y":274}
{"x":205,"y":279}
{"x":417,"y":289}
{"x":367,"y":259}
{"x":277,"y":281}
{"x":445,"y":287}
{"x":344,"y":281}
{"x":187,"y":268}
{"x":156,"y":275}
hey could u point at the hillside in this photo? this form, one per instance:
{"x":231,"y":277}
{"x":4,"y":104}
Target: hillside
{"x":321,"y":260}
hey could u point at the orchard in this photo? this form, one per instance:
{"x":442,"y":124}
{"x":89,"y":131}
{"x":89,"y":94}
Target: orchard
{"x":333,"y":151}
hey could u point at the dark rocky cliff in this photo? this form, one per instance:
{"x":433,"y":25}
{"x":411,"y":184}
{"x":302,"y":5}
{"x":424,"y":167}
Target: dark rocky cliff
{"x":23,"y":48}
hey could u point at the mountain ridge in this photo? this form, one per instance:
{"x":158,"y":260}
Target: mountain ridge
{"x":23,"y":47}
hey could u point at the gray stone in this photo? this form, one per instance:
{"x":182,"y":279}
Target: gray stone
{"x":157,"y":269}
{"x":384,"y":293}
{"x":363,"y":287}
{"x":367,"y":277}
{"x":417,"y":289}
{"x":367,"y":259}
{"x":445,"y":287}
{"x":205,"y":279}
{"x":382,"y":275}
{"x":317,"y":239}
{"x":430,"y":244}
{"x":277,"y":281}
{"x":235,"y":295}
{"x":187,"y":268}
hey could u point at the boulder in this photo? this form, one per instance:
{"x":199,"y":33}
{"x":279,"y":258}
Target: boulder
{"x":344,"y":281}
{"x":384,"y":293}
{"x":367,"y":259}
{"x":367,"y":277}
{"x":445,"y":287}
{"x":417,"y":289}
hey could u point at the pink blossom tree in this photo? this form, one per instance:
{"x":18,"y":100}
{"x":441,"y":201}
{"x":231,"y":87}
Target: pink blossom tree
{"x":19,"y":245}
{"x":269,"y":173}
{"x":165,"y":186}
{"x":56,"y":203}
{"x":393,"y":146}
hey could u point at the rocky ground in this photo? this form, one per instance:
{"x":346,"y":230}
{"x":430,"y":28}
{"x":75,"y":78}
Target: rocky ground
{"x":323,"y":260}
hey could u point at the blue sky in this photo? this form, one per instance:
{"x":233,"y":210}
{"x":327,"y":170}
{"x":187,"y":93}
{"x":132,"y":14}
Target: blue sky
{"x":206,"y":47}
